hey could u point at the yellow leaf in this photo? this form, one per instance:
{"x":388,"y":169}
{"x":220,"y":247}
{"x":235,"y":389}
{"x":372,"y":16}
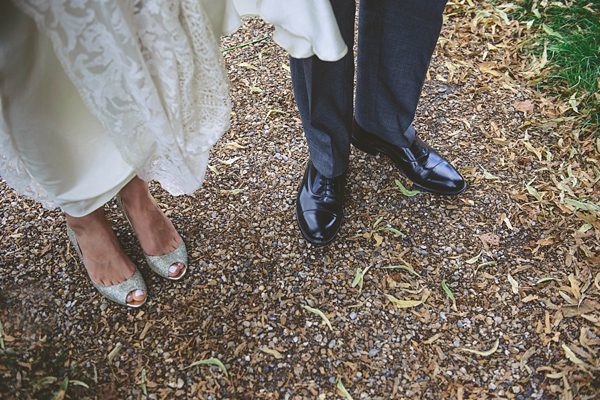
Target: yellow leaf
{"x":487,"y":175}
{"x":482,"y":353}
{"x":474,"y":259}
{"x":320,"y":314}
{"x":247,"y":65}
{"x":501,"y":141}
{"x":234,"y":145}
{"x":342,"y":389}
{"x":433,"y":338}
{"x":213,"y":169}
{"x":272,"y":352}
{"x":532,"y":149}
{"x":571,"y":356}
{"x":378,"y":239}
{"x":514,"y":284}
{"x":210,"y":361}
{"x":230,"y":161}
{"x":114,"y":352}
{"x":408,"y":303}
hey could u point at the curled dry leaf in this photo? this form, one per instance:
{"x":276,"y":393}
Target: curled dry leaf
{"x":489,"y":239}
{"x":524,"y":106}
{"x":408,"y":303}
{"x":210,"y":361}
{"x":343,"y":390}
{"x":433,"y":338}
{"x":114,"y":352}
{"x":513,"y":284}
{"x":320,"y":314}
{"x":482,"y":353}
{"x":272,"y":352}
{"x":449,"y":294}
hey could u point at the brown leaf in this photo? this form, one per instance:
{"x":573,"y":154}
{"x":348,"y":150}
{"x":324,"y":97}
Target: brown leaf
{"x":489,"y":239}
{"x":524,"y":106}
{"x":586,"y":306}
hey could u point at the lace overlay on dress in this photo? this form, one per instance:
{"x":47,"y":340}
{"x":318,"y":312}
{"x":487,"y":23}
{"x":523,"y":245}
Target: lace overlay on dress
{"x":151,"y":72}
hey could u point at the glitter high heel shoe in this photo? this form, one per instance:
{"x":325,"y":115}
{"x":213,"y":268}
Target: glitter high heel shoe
{"x":161,"y":264}
{"x":117,"y":293}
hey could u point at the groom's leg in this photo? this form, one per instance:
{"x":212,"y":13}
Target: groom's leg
{"x":324,"y":94}
{"x":395,"y":42}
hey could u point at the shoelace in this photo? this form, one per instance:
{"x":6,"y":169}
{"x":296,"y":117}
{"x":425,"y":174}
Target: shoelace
{"x":326,"y":186}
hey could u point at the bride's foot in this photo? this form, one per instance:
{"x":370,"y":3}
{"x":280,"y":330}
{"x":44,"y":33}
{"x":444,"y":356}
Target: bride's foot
{"x":154,"y":230}
{"x":104,"y":259}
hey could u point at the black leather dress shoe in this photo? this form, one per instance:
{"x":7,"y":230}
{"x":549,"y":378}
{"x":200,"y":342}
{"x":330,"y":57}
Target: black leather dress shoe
{"x":419,"y":162}
{"x":320,"y":205}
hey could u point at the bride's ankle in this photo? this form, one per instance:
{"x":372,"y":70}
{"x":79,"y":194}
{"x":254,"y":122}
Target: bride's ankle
{"x":135,"y":191}
{"x":86,"y":223}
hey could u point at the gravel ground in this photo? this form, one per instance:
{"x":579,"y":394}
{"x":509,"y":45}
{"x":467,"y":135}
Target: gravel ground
{"x":492,"y":294}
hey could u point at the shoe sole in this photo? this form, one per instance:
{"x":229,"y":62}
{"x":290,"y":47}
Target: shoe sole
{"x":376,"y":151}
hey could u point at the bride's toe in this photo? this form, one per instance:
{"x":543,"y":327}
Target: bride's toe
{"x":177,"y":270}
{"x":136,"y":297}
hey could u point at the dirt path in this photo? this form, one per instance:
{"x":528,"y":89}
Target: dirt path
{"x":518,"y":251}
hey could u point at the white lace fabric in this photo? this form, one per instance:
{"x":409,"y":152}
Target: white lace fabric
{"x":150,"y":71}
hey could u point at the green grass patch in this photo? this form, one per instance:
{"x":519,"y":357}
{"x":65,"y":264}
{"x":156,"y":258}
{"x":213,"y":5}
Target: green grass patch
{"x":568,"y":32}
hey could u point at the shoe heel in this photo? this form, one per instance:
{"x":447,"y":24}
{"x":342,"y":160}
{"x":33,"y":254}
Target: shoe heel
{"x":160,"y":264}
{"x":364,"y":147}
{"x":361,"y":145}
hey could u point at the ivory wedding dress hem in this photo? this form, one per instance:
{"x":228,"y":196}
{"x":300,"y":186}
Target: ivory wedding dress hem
{"x":94,"y":93}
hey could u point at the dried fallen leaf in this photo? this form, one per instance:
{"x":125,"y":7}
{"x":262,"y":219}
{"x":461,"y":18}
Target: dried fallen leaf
{"x":489,"y":239}
{"x":514,"y":284}
{"x":342,"y":389}
{"x":271,"y":112}
{"x":320,"y":314}
{"x":524,"y":106}
{"x":114,"y":352}
{"x":247,"y":65}
{"x":449,"y":294}
{"x":547,"y":279}
{"x":60,"y":395}
{"x":482,"y":353}
{"x":213,"y":169}
{"x":143,"y":382}
{"x":571,"y":356}
{"x":474,"y":259}
{"x":433,"y":338}
{"x":235,"y":145}
{"x":488,"y":176}
{"x":404,"y":267}
{"x":408,"y":303}
{"x":230,"y":161}
{"x":47,"y":380}
{"x":210,"y":361}
{"x":272,"y":352}
{"x":359,"y":278}
{"x":533,"y":192}
{"x":378,"y":239}
{"x":232,"y":191}
{"x":525,"y":357}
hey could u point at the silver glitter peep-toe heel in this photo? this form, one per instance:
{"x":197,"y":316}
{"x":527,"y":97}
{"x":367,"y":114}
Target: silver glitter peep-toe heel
{"x":161,"y":264}
{"x":117,"y":293}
